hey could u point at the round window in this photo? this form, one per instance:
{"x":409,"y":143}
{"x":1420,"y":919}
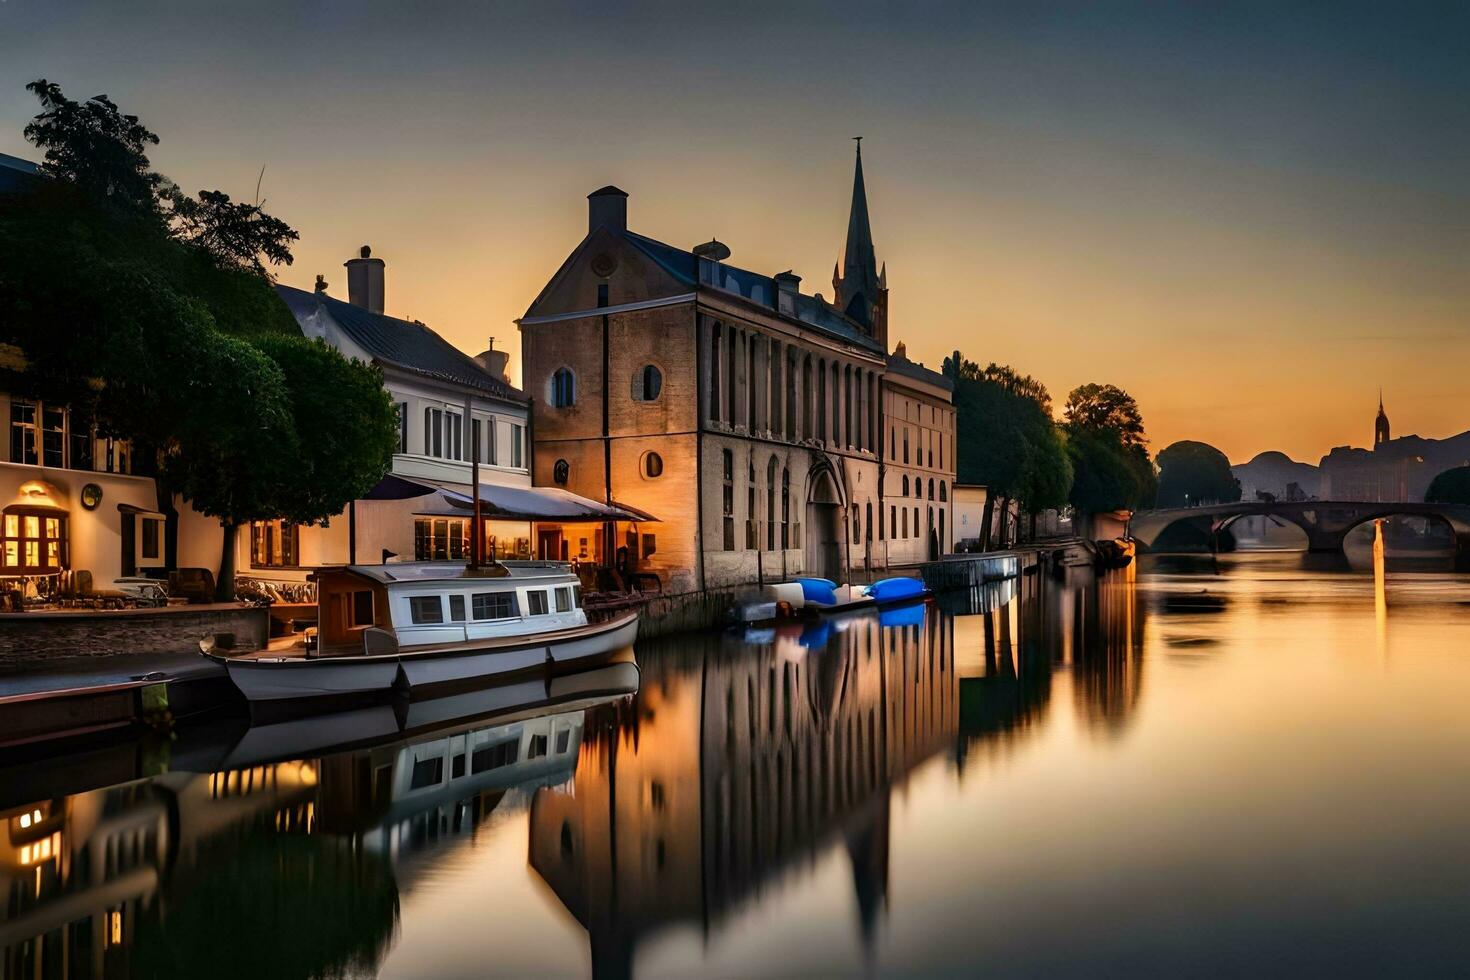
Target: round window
{"x":560,"y":472}
{"x":653,"y":465}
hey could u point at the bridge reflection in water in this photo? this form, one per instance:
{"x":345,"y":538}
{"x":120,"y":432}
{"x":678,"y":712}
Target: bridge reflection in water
{"x":740,"y":763}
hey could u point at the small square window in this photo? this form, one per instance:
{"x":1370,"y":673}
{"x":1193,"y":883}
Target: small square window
{"x":537,"y":603}
{"x":537,"y":748}
{"x":564,"y":600}
{"x":563,"y":741}
{"x":426,"y":609}
{"x":456,"y":608}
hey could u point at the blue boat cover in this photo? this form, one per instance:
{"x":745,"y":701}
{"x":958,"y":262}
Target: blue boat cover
{"x":819,"y":590}
{"x":891,"y":589}
{"x":911,"y":615}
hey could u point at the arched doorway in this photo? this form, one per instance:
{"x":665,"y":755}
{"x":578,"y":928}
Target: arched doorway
{"x":823,"y":532}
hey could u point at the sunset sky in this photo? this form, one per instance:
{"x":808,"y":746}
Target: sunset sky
{"x":1250,"y":216}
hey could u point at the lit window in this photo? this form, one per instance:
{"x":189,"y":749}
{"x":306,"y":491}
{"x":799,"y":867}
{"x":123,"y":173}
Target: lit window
{"x":32,"y":543}
{"x":440,"y":538}
{"x":273,"y":544}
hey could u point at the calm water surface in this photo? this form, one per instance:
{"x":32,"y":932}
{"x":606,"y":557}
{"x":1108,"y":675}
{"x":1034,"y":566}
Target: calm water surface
{"x":1240,"y":767}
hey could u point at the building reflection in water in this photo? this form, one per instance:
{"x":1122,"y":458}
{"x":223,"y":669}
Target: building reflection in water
{"x":740,"y":763}
{"x":286,"y":869}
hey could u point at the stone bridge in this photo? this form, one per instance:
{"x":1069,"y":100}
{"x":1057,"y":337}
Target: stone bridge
{"x":1325,"y":522}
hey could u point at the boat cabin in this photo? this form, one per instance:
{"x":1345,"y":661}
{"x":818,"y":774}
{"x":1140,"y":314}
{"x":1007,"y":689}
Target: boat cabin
{"x":425,"y":603}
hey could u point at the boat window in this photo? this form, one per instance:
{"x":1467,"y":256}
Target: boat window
{"x":458,"y":767}
{"x":493,"y":605}
{"x":427,"y":772}
{"x":537,"y":602}
{"x":564,"y":600}
{"x":577,"y":596}
{"x":362,"y":608}
{"x":563,"y":741}
{"x":456,"y":608}
{"x":537,"y":748}
{"x":494,"y":756}
{"x":426,"y":608}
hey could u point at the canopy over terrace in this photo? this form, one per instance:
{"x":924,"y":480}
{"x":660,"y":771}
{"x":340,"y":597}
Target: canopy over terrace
{"x":509,"y":503}
{"x":517,"y":522}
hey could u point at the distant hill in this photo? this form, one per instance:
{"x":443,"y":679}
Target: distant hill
{"x":1270,"y":472}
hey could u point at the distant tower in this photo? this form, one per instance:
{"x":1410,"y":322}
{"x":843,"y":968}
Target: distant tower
{"x":862,"y":290}
{"x":1380,"y":424}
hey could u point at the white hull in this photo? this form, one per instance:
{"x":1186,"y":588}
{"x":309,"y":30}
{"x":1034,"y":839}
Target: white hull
{"x":297,"y":677}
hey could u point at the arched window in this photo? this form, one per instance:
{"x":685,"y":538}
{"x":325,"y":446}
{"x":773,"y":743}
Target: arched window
{"x":648,"y":383}
{"x":857,"y":535}
{"x":943,"y":494}
{"x":905,"y":484}
{"x":561,"y":471}
{"x":868,"y":519}
{"x":931,"y":488}
{"x":563,"y":388}
{"x":653,"y":465}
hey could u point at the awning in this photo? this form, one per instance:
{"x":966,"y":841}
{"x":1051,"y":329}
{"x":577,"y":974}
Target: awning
{"x":508,"y":503}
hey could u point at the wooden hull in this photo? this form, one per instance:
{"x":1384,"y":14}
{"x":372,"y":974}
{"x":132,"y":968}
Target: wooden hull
{"x":435,"y":667}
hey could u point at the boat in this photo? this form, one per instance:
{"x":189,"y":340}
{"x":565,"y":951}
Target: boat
{"x":410,"y":627}
{"x":806,"y":596}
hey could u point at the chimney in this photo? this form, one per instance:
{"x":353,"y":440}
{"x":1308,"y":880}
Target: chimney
{"x":495,"y":361}
{"x":788,"y":287}
{"x":365,"y":281}
{"x":321,"y":283}
{"x":607,"y":206}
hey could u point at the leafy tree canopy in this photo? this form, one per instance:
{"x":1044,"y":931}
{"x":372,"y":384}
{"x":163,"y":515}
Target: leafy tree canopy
{"x":1450,"y":487}
{"x":1106,"y":408}
{"x":1195,"y":473}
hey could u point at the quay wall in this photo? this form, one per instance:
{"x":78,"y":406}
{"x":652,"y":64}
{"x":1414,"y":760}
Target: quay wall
{"x":33,"y":639}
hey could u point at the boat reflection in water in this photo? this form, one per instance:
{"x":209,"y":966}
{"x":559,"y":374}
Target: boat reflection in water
{"x":743,"y":764}
{"x":273,"y":868}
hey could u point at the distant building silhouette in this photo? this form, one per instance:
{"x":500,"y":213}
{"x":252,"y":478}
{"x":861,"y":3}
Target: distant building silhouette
{"x":1380,"y":424}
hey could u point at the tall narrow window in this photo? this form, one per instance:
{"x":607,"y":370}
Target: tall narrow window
{"x":868,"y":521}
{"x":785,"y":508}
{"x":751,"y":541}
{"x":53,"y":436}
{"x":24,"y":444}
{"x":727,"y":499}
{"x":857,"y":537}
{"x":477,"y":441}
{"x":905,"y":444}
{"x":453,"y":435}
{"x":402,"y":409}
{"x":714,"y":372}
{"x":434,"y":432}
{"x":81,"y":443}
{"x":492,"y":443}
{"x":563,"y":389}
{"x":517,"y":450}
{"x":771,"y":505}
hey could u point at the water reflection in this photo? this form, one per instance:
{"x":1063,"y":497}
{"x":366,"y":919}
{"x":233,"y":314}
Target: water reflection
{"x":742,"y":764}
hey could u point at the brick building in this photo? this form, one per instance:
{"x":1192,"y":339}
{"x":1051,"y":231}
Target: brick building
{"x":748,"y":417}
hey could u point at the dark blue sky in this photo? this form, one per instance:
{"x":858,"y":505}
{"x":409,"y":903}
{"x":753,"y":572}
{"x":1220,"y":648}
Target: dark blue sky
{"x":1109,"y":192}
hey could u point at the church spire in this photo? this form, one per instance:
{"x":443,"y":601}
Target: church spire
{"x":857,"y":291}
{"x":1381,"y":432}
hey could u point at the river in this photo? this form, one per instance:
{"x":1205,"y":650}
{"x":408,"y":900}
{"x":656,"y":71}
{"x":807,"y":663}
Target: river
{"x":1230,"y":766}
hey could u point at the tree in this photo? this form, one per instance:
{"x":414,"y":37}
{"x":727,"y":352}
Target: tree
{"x":234,"y":235}
{"x":1105,"y":408}
{"x":1450,"y":487}
{"x":164,"y":328}
{"x":1110,"y":464}
{"x":346,"y":428}
{"x":97,"y":148}
{"x":1006,"y":440}
{"x":1192,"y":473}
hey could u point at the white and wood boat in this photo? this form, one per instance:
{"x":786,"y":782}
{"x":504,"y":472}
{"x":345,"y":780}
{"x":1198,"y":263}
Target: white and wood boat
{"x":413,"y":626}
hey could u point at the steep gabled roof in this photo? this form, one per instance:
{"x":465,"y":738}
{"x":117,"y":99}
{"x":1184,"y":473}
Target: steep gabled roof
{"x":403,"y":344}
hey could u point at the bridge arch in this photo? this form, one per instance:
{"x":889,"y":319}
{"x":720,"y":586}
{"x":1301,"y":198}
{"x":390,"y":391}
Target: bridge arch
{"x":1326,"y":522}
